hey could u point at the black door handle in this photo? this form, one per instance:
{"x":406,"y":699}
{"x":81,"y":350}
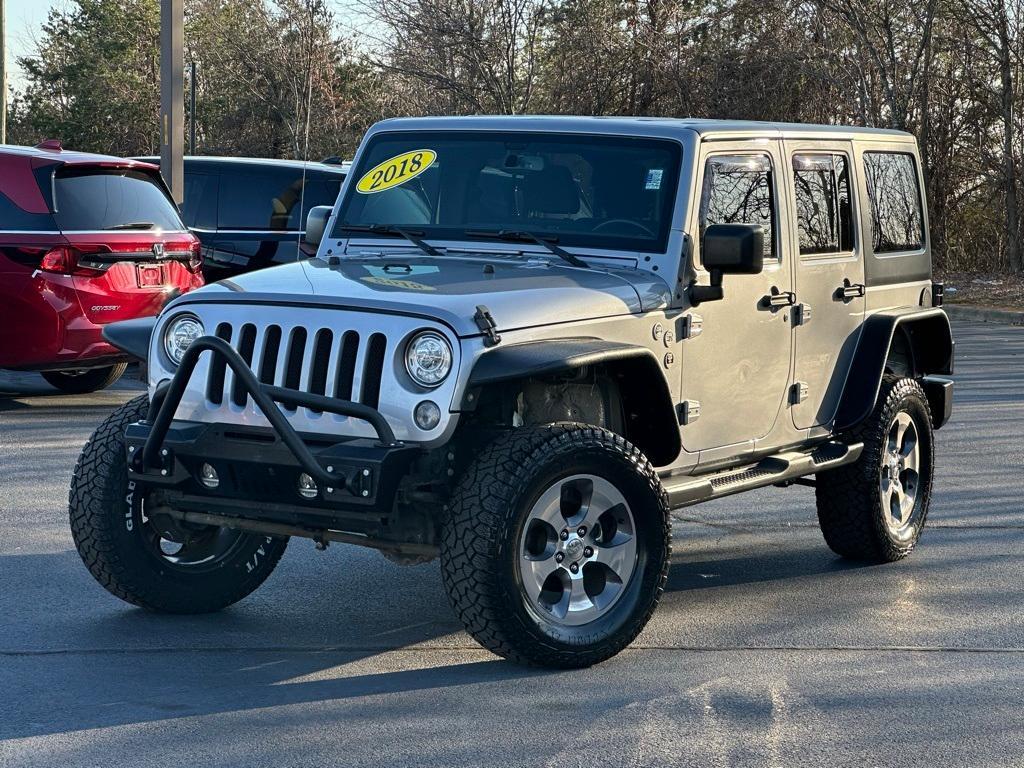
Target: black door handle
{"x":778,"y":298}
{"x":848,"y":290}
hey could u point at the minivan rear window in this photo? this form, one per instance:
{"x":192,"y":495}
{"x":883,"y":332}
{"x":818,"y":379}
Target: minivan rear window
{"x":96,"y":199}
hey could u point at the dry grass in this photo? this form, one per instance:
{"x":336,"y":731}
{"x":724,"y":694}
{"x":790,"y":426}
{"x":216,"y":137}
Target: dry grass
{"x":984,"y":289}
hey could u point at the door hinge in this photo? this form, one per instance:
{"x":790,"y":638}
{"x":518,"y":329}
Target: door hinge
{"x":693,"y":326}
{"x":798,"y":392}
{"x":801,"y":314}
{"x":688,"y":411}
{"x":485,"y":322}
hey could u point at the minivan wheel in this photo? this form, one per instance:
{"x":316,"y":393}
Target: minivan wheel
{"x":875,"y":509}
{"x":82,"y":382}
{"x":146,"y":557}
{"x":555,"y":547}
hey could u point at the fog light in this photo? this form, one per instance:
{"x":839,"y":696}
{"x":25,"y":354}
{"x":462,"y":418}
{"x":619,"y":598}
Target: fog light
{"x":307,"y":488}
{"x":427,"y":415}
{"x":208,"y":476}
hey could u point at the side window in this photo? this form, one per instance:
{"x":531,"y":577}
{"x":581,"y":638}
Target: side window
{"x":823,"y":214}
{"x":200,"y":206}
{"x":740,"y":189}
{"x":897,"y":223}
{"x":320,"y":190}
{"x":265,"y":201}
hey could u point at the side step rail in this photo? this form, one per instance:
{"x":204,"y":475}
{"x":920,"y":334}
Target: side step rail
{"x":166,"y":400}
{"x":780,"y":468}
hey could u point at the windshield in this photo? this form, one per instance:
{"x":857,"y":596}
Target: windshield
{"x":583,"y":191}
{"x":92,"y":199}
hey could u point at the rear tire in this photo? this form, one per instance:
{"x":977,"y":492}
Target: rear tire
{"x":875,"y":509}
{"x":82,"y":382}
{"x":145,"y":558}
{"x":555,"y":548}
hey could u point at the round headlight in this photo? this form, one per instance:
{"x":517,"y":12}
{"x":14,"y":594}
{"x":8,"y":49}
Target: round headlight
{"x":179,"y":334}
{"x":428,"y":358}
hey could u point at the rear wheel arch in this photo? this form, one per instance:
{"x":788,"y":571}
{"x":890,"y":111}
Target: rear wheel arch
{"x":913,"y":343}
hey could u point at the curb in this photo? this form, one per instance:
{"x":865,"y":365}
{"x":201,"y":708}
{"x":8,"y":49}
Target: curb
{"x":984,"y":314}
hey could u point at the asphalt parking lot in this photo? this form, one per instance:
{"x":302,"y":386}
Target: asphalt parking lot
{"x":766,"y":650}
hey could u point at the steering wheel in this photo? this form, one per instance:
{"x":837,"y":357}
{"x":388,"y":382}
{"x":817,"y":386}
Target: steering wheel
{"x":627,"y":222}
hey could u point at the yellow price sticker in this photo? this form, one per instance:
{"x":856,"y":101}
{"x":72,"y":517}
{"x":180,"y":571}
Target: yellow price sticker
{"x":396,"y":170}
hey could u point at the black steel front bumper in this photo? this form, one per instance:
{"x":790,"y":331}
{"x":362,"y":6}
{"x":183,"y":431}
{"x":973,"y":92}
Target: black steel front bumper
{"x":258,"y":469}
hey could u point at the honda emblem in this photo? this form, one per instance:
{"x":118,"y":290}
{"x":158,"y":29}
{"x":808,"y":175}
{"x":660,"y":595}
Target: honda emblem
{"x":158,"y":250}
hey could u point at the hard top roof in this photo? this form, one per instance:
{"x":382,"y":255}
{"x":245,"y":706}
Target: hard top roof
{"x":641,"y":126}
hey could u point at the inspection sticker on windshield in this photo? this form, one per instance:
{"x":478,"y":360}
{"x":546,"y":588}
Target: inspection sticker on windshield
{"x":395,"y":171}
{"x":654,"y":178}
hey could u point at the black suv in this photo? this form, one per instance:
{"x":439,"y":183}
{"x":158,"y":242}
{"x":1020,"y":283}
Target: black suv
{"x":246,"y":210}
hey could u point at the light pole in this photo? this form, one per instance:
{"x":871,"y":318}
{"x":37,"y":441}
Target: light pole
{"x":172,"y":95}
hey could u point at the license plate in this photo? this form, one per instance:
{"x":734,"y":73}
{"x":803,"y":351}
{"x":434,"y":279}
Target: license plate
{"x":150,"y":275}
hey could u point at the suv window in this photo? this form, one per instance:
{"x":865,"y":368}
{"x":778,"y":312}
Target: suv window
{"x":897,"y":223}
{"x":200,"y":206}
{"x":269,"y":200}
{"x":739,"y":189}
{"x":823,"y":213}
{"x":94,"y":199}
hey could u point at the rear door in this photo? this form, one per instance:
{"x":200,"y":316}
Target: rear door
{"x":829,"y":314}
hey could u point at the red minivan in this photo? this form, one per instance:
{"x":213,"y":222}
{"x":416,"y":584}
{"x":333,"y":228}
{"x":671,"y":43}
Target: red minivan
{"x":84,"y":240}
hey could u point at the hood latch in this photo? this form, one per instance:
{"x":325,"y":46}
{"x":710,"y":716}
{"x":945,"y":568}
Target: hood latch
{"x":485,"y":322}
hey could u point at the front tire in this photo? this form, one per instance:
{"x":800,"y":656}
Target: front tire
{"x":875,"y":509}
{"x":555,"y":548}
{"x":145,"y":557}
{"x":83,"y":382}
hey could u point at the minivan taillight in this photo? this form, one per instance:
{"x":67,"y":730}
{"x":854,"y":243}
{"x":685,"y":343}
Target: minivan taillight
{"x":64,"y":260}
{"x":61,"y":259}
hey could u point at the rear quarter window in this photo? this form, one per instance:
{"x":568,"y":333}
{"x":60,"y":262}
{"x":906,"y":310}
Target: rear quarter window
{"x":894,"y":201}
{"x":96,"y":199}
{"x":14,"y":219}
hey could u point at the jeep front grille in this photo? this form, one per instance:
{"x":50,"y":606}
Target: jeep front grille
{"x":347,"y":353}
{"x":301,"y":358}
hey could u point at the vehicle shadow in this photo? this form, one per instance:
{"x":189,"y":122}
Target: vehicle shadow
{"x":309,"y":636}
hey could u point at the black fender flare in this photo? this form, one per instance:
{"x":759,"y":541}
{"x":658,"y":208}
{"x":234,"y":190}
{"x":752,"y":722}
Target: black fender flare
{"x":928,"y":332}
{"x":131,"y":336}
{"x":654,"y":428}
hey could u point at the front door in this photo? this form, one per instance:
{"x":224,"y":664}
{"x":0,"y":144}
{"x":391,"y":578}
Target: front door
{"x":829,"y":276}
{"x":738,"y":368}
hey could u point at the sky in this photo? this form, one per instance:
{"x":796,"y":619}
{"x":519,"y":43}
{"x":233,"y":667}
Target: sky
{"x":24,"y":20}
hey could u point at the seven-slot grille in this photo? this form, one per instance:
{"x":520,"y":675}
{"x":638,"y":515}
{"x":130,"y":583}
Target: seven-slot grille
{"x":321,"y":361}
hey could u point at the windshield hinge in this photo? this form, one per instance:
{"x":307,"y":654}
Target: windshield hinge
{"x":485,"y":322}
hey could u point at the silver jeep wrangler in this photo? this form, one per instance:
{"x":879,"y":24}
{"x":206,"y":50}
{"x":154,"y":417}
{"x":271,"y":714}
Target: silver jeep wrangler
{"x":523,"y":341}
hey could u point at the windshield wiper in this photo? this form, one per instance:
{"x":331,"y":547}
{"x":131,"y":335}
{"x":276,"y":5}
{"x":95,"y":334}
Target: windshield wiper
{"x":132,"y":225}
{"x":412,"y":235}
{"x":547,"y":241}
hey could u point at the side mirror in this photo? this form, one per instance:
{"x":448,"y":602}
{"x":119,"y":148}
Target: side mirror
{"x":728,"y":249}
{"x":316,"y":224}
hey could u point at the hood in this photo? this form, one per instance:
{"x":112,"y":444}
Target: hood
{"x":519,"y":292}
